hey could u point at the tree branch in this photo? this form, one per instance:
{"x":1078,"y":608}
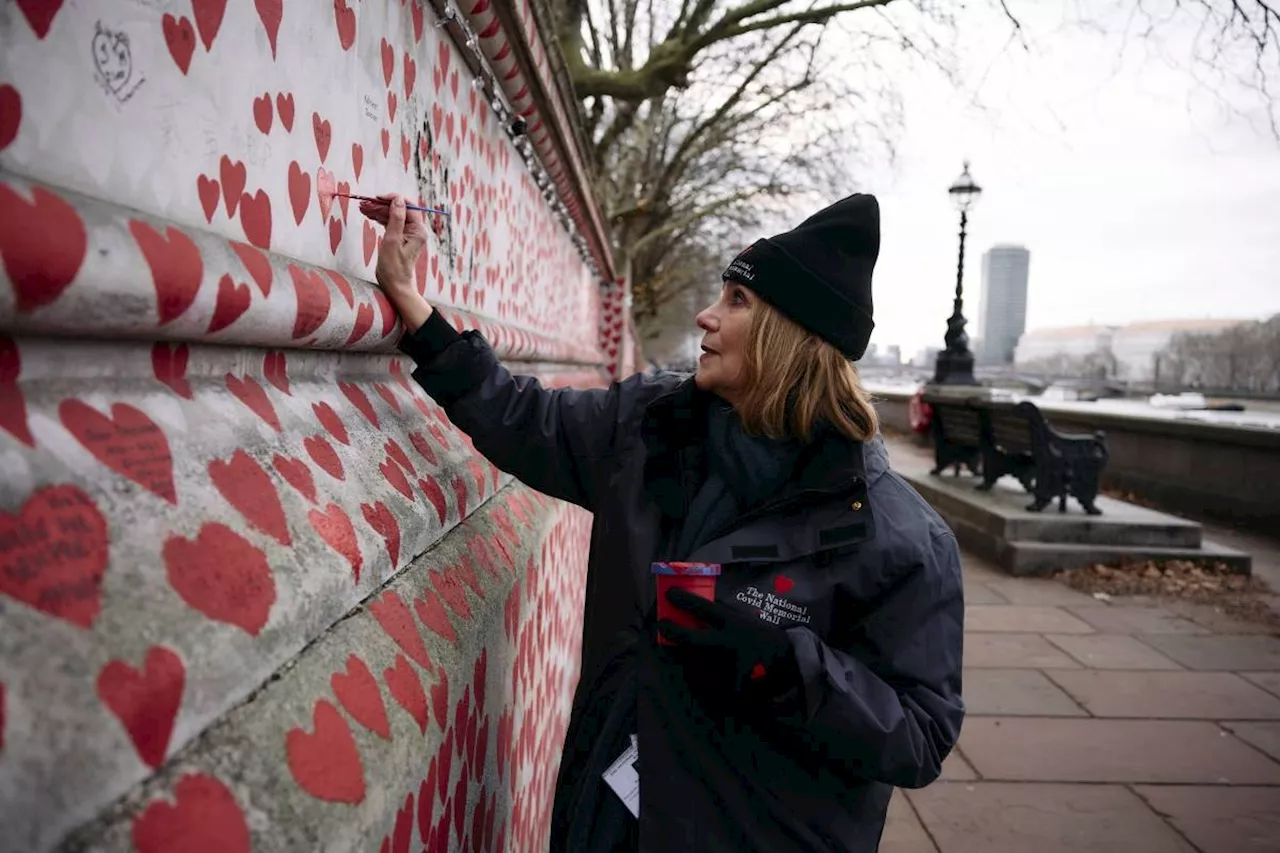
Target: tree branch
{"x":731,"y":25}
{"x":695,"y":215}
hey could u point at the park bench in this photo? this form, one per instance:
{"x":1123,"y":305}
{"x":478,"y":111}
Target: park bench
{"x":957,"y":435}
{"x":1015,"y":439}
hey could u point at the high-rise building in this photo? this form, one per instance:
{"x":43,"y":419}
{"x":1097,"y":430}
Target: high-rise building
{"x":1002,"y":310}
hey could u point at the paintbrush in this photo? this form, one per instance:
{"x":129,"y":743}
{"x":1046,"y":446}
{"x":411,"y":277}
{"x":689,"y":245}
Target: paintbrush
{"x":384,"y":201}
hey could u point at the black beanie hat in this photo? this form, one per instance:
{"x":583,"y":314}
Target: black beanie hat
{"x":819,"y":273}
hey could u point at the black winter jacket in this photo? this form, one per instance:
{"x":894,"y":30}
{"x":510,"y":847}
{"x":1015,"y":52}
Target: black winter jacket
{"x":858,"y":569}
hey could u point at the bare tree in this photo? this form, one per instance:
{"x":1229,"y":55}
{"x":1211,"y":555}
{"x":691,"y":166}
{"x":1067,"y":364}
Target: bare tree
{"x":1243,"y":358}
{"x":708,"y":118}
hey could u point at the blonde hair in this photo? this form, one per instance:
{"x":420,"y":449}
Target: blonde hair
{"x":795,"y":379}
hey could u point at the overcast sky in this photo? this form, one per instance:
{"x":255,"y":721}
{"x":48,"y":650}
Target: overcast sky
{"x":1139,"y":196}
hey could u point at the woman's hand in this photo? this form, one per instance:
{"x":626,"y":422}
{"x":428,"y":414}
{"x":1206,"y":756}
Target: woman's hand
{"x":405,"y":239}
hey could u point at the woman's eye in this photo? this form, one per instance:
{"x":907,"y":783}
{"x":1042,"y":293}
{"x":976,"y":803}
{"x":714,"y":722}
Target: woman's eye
{"x":738,"y":298}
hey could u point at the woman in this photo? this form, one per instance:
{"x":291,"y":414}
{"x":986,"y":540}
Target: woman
{"x":828,"y":667}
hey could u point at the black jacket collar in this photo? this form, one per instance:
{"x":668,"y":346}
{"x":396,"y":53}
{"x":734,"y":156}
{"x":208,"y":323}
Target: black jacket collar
{"x":673,"y":435}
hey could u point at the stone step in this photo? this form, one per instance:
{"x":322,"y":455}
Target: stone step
{"x":1031,"y":557}
{"x":1001,"y":513}
{"x":1041,"y":558}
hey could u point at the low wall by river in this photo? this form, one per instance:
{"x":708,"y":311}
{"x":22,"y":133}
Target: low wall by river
{"x":1205,"y":470}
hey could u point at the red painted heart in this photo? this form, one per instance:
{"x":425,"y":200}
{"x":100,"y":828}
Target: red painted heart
{"x":410,"y":75}
{"x":406,"y":689}
{"x":128,"y":442}
{"x":223,"y":576}
{"x":323,"y":454}
{"x":435,"y":495}
{"x":145,"y":702}
{"x":431,"y":611}
{"x":271,"y":12}
{"x":323,"y":133}
{"x":299,"y":191}
{"x":204,"y":818}
{"x":209,"y":191}
{"x":176,"y":268}
{"x":40,"y":14}
{"x":394,"y":617}
{"x":384,"y":523}
{"x":249,"y":392}
{"x":180,"y":36}
{"x":10,"y":115}
{"x":388,"y":395}
{"x":263,"y":114}
{"x":234,"y":175}
{"x":358,"y":399}
{"x":313,"y":301}
{"x":363,"y":322}
{"x":326,"y":186}
{"x":394,"y":475}
{"x":53,"y":554}
{"x":358,"y":692}
{"x":343,"y":201}
{"x":334,"y":527}
{"x":285,"y":107}
{"x":450,"y":588}
{"x":208,"y":15}
{"x":169,"y":362}
{"x":248,"y":488}
{"x":330,"y":420}
{"x":297,"y":474}
{"x":440,"y":705}
{"x":344,"y":286}
{"x":346,"y":20}
{"x":255,"y":218}
{"x":326,"y":764}
{"x":417,"y":37}
{"x":43,"y":243}
{"x":357,"y":158}
{"x":233,"y":301}
{"x":257,"y":264}
{"x":275,"y":368}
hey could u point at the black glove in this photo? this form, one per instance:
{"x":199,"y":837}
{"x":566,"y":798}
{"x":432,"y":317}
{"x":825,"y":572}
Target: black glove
{"x":737,"y":651}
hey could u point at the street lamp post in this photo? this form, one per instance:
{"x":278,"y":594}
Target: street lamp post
{"x":955,"y":363}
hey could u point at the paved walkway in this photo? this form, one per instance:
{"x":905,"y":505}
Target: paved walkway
{"x":1121,"y":727}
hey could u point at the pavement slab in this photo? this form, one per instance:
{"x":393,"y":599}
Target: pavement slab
{"x":1262,"y":735}
{"x":1123,"y":619}
{"x":1021,"y":618}
{"x":995,"y":817}
{"x":1062,"y":749}
{"x":976,"y":592}
{"x":903,"y":832}
{"x":956,"y":769}
{"x":1226,"y":652}
{"x":1221,"y":820}
{"x":1168,"y":695}
{"x":1111,"y":651}
{"x":1011,"y":692}
{"x":1028,"y":651}
{"x":1269,"y":681}
{"x":1039,"y":591}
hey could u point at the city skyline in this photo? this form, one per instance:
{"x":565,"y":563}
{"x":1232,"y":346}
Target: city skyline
{"x":1002,"y":302}
{"x":1142,"y":195}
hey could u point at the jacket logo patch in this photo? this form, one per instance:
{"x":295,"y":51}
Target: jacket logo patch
{"x":775,"y":608}
{"x":783,"y":585}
